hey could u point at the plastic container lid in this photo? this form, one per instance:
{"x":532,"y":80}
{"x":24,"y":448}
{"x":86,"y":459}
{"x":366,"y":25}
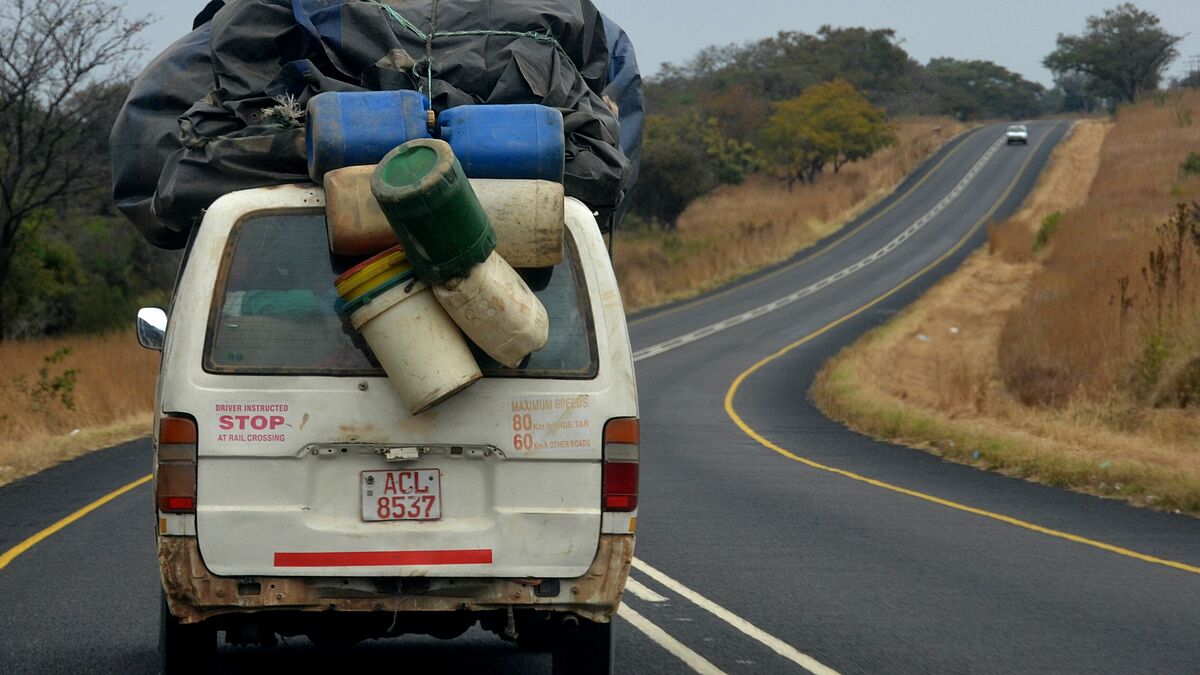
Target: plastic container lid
{"x":417,"y":177}
{"x":348,"y":307}
{"x":432,"y":208}
{"x":372,"y":272}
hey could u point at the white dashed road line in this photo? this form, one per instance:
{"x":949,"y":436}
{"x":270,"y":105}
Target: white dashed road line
{"x":773,"y":643}
{"x":711,"y":329}
{"x":663,"y":639}
{"x":640,"y":591}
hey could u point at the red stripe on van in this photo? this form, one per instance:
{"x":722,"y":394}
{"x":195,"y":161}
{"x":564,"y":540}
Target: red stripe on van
{"x":482,"y":556}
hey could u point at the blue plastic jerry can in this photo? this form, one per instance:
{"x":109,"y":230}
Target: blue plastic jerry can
{"x":506,"y":141}
{"x":355,"y":128}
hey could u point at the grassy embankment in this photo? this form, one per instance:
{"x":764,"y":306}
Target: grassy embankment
{"x":734,"y":231}
{"x":112,"y":394}
{"x":742,"y":228}
{"x":1058,"y":354}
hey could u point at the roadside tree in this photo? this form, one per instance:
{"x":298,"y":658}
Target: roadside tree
{"x":738,"y":111}
{"x":870,"y":59}
{"x":57,"y":60}
{"x":1077,"y":95}
{"x":731,"y":160}
{"x":982,"y":89}
{"x":675,"y":169}
{"x":829,"y":124}
{"x":1123,"y":53}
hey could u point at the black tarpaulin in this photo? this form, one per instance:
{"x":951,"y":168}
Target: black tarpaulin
{"x":625,"y":88}
{"x":193,"y":127}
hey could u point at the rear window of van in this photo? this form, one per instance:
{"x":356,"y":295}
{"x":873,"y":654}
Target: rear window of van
{"x":274,"y":309}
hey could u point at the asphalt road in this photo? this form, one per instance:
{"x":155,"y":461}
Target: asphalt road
{"x":770,"y":539}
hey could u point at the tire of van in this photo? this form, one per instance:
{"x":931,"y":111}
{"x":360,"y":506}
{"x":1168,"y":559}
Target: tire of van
{"x":583,"y":648}
{"x":185,"y":648}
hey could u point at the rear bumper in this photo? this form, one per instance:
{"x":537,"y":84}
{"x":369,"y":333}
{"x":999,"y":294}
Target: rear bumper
{"x":195,"y":594}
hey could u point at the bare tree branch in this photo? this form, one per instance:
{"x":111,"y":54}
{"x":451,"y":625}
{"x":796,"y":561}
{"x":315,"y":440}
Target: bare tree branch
{"x":58,"y":59}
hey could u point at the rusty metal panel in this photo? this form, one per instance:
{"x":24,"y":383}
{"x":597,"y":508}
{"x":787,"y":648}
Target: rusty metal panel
{"x":194,"y":594}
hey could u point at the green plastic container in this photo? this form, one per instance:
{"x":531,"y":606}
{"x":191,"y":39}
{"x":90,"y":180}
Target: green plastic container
{"x":429,"y":202}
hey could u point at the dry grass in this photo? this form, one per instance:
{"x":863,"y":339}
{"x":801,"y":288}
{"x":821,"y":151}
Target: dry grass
{"x":739,"y":229}
{"x":1079,"y":335}
{"x":113,"y":396}
{"x":958,"y":371}
{"x":1064,"y":448}
{"x":1063,"y":186}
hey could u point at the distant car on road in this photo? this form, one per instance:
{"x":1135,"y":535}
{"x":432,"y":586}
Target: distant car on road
{"x":1016,"y":133}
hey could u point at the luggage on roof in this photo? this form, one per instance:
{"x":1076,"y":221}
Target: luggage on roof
{"x":215,"y":113}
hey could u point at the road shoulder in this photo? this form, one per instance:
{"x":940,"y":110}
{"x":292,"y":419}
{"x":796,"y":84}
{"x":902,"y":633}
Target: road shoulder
{"x":930,"y":378}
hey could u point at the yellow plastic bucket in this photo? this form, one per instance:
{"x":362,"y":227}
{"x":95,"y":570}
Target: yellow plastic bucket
{"x":372,"y":273}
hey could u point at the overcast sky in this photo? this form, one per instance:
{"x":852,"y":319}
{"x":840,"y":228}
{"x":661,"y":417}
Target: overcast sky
{"x":1016,"y":34}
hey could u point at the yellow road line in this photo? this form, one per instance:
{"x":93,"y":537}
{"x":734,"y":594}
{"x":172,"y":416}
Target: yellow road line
{"x":762,"y":440}
{"x":809,"y":258}
{"x":12,"y":553}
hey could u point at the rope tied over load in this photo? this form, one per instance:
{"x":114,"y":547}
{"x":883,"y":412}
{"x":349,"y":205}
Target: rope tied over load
{"x":433,"y":34}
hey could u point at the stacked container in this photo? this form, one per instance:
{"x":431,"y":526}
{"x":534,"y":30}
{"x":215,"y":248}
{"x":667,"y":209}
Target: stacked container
{"x":369,"y":275}
{"x":506,"y":141}
{"x":417,"y":343}
{"x":353,"y":128}
{"x":527,"y":216}
{"x":413,"y":302}
{"x":422,"y":190}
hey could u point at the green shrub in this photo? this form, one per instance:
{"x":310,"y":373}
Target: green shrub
{"x":1191,"y":165}
{"x":1148,"y":367}
{"x":51,"y":387}
{"x":1049,"y":226}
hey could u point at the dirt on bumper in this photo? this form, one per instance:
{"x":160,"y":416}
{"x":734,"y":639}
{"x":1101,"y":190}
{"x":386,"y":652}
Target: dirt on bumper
{"x":194,"y":594}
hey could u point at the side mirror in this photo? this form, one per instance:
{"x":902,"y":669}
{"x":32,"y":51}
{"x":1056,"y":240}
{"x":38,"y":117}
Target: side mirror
{"x":151,"y":328}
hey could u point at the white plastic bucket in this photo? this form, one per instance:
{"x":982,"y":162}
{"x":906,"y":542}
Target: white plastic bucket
{"x":420,"y":348}
{"x":496,"y":309}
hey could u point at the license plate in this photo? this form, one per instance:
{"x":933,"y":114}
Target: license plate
{"x":408,"y":494}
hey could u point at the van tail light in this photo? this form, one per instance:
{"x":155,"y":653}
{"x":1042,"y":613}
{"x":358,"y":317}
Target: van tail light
{"x":621,"y":437}
{"x":175,"y":479}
